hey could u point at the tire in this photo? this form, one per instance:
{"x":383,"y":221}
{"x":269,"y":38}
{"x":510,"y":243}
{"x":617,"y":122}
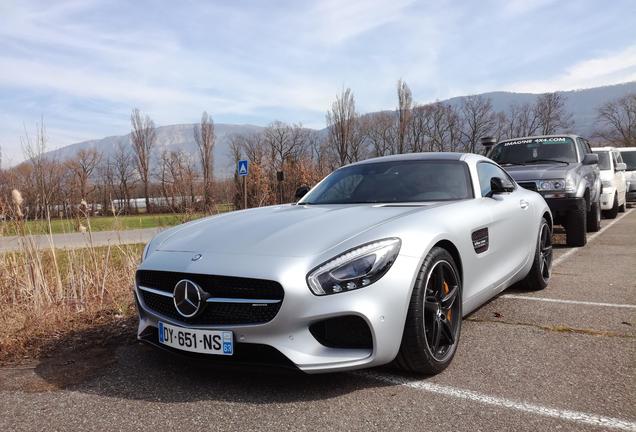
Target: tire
{"x":539,"y":275}
{"x":623,"y":208}
{"x":594,"y":218}
{"x":438,"y":284}
{"x":613,"y":212}
{"x":575,"y":228}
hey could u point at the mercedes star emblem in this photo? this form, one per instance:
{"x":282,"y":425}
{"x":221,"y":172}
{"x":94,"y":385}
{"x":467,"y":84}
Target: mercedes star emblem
{"x":187,"y":298}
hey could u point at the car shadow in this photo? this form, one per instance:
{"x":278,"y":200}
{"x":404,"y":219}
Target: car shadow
{"x":121,"y":367}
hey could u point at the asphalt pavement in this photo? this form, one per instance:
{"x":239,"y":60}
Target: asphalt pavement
{"x":560,"y":359}
{"x":79,"y":240}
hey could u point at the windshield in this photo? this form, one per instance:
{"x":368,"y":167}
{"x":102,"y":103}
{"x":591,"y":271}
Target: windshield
{"x":629,"y":158}
{"x":603,"y":160}
{"x":535,"y":150}
{"x":394,"y":182}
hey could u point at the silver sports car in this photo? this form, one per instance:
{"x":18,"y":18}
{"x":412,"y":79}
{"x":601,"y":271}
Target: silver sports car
{"x":376,"y":264}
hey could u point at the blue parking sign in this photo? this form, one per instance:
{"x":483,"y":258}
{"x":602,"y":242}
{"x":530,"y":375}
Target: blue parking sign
{"x":242,"y":168}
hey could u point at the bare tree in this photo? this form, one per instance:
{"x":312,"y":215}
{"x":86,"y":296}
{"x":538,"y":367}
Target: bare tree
{"x":143,"y":137}
{"x":342,"y":123}
{"x":284,"y":142}
{"x":404,"y":112}
{"x":479,"y":120}
{"x":82,"y":167}
{"x":123,"y":165}
{"x":522,"y":121}
{"x":552,"y":114}
{"x":204,"y":138}
{"x":47,"y":176}
{"x":379,"y":130}
{"x":617,"y":121}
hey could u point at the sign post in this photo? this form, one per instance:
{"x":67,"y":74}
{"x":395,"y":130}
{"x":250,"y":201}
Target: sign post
{"x":243,"y":171}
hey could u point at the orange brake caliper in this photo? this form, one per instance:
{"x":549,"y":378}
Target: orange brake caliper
{"x":445,"y":289}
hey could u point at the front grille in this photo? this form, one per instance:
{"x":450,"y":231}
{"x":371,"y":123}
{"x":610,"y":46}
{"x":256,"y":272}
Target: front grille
{"x":214,"y":313}
{"x":529,"y":185}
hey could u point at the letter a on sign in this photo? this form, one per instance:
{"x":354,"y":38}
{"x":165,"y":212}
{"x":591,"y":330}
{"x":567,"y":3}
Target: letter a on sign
{"x":242,"y":168}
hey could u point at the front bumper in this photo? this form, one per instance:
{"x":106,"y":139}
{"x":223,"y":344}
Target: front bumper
{"x":382,"y":305}
{"x":607,"y":198}
{"x":563,"y":205}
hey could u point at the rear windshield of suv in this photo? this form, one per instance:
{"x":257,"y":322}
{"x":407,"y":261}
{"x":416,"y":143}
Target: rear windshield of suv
{"x":629,"y":157}
{"x":603,"y":160}
{"x":534,"y":150}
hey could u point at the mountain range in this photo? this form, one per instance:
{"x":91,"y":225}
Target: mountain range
{"x":582,"y":104}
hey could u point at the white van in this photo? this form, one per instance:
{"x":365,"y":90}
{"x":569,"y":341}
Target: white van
{"x":614,"y":193}
{"x":628,"y":155}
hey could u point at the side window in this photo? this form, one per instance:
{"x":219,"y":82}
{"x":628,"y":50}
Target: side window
{"x":588,"y":149}
{"x":583,"y":150}
{"x":486,"y":171}
{"x":619,"y":157}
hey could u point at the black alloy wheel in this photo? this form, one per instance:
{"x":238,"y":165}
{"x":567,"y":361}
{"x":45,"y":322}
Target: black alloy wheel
{"x":441,"y":310}
{"x":545,"y":252}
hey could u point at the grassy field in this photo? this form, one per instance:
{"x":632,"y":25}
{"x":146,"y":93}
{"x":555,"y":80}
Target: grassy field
{"x":104,"y":223}
{"x":46,"y":294}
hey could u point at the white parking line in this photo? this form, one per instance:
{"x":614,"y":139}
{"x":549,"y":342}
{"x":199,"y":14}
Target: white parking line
{"x":586,"y":303}
{"x":562,"y":258}
{"x":567,"y":415}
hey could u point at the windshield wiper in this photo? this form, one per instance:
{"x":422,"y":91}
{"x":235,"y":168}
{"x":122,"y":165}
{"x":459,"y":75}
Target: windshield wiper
{"x":512,"y":163}
{"x":545,"y":160}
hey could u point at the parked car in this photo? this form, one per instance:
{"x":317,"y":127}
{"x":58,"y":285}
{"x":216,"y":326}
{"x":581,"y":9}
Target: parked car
{"x":377,"y":263}
{"x":563,"y":169}
{"x":614,"y":193}
{"x":628,"y":154}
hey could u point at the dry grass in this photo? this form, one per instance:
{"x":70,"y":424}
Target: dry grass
{"x":47,"y":293}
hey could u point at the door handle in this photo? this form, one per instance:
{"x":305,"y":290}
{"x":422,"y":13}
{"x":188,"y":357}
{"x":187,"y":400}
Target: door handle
{"x":523,"y":204}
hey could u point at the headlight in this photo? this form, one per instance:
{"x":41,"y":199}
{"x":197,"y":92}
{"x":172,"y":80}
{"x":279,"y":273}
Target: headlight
{"x":551,"y":185}
{"x":606,"y":183}
{"x":557,"y":185}
{"x":354,"y":269}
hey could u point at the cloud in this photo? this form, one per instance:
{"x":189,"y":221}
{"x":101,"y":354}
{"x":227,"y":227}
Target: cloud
{"x":611,"y":68}
{"x":84,"y":64}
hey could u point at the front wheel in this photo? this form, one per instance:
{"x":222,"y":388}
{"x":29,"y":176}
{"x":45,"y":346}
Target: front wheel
{"x":434,"y":319}
{"x":575,"y":228}
{"x":613,"y":212}
{"x":539,"y":275}
{"x":594,"y":217}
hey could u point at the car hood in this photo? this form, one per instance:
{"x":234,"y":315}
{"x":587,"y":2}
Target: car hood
{"x":538,"y":171}
{"x":288,"y":230}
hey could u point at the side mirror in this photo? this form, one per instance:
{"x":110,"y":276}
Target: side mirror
{"x":621,"y":166}
{"x":301,"y":192}
{"x":487,"y":143}
{"x":590,"y":159}
{"x":499,"y":186}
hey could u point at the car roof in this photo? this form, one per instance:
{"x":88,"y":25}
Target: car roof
{"x":626,"y":149}
{"x":542,"y":136}
{"x":450,"y":156}
{"x":606,"y":148}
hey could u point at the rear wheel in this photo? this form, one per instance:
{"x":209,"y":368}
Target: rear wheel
{"x":434,"y":319}
{"x":539,"y":274}
{"x":594,"y":217}
{"x":575,"y":228}
{"x":613,"y":212}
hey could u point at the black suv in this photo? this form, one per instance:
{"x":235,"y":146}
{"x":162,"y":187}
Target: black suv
{"x":563,"y":169}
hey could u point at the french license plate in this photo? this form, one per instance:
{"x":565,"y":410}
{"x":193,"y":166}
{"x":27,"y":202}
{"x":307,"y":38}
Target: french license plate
{"x":195,"y":340}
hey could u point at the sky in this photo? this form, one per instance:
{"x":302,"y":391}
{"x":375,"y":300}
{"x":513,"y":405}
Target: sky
{"x":83,"y":65}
